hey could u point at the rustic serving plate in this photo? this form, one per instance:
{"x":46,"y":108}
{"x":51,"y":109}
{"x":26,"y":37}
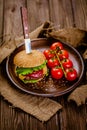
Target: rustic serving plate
{"x":48,"y":87}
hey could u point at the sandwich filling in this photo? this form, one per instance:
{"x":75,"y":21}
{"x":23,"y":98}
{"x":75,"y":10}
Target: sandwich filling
{"x":33,"y":74}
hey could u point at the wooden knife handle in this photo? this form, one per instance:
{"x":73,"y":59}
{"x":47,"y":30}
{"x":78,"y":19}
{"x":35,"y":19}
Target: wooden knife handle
{"x":24,"y":14}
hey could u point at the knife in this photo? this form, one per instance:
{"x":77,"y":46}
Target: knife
{"x":26,"y":30}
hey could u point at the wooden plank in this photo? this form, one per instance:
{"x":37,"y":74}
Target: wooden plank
{"x":12,"y":18}
{"x":36,"y":124}
{"x":61,"y":13}
{"x":41,"y":125}
{"x":1,"y":20}
{"x":53,"y":123}
{"x":80,"y":13}
{"x":73,"y":117}
{"x":1,"y":33}
{"x":13,"y":118}
{"x":84,"y":8}
{"x":38,"y":13}
{"x":78,"y":114}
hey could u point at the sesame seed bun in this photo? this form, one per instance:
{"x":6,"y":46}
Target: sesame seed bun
{"x":33,"y":59}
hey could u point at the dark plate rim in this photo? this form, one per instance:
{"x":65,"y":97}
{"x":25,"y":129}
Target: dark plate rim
{"x":55,"y":93}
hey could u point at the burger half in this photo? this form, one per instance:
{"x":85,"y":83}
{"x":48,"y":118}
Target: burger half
{"x":30,"y":68}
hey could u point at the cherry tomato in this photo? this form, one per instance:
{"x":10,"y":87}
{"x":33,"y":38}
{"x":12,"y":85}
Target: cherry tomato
{"x":48,"y":54}
{"x":71,"y":74}
{"x":67,"y":63}
{"x":57,"y":45}
{"x":63,"y":54}
{"x":52,"y":62}
{"x":57,"y":73}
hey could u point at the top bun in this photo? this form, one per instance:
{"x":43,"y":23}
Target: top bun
{"x":33,"y":59}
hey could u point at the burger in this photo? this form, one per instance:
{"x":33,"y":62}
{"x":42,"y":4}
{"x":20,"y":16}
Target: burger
{"x":30,"y":68}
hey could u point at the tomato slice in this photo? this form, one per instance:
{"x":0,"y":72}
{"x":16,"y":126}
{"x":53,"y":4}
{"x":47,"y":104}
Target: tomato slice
{"x":35,"y":75}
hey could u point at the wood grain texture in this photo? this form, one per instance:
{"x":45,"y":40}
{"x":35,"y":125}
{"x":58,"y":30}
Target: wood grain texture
{"x":72,"y":116}
{"x":80,"y":13}
{"x":63,"y":13}
{"x":38,"y":13}
{"x":12,"y":18}
{"x":1,"y":33}
{"x":1,"y":21}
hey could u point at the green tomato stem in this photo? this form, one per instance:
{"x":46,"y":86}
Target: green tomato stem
{"x":60,"y":62}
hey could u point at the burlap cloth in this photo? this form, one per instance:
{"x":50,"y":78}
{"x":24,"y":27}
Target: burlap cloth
{"x":40,"y":107}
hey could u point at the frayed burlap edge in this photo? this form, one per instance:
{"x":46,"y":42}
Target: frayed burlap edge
{"x":40,"y":107}
{"x":79,"y":95}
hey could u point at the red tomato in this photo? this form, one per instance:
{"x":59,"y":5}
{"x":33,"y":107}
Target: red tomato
{"x":57,"y":45}
{"x":63,"y":54}
{"x":67,"y":63}
{"x":48,"y":54}
{"x":71,"y":74}
{"x":52,"y":62}
{"x":57,"y":73}
{"x":35,"y":75}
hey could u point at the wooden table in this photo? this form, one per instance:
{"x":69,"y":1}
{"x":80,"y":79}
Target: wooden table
{"x":63,"y":13}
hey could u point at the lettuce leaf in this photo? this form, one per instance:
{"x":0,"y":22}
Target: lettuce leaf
{"x":24,"y":71}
